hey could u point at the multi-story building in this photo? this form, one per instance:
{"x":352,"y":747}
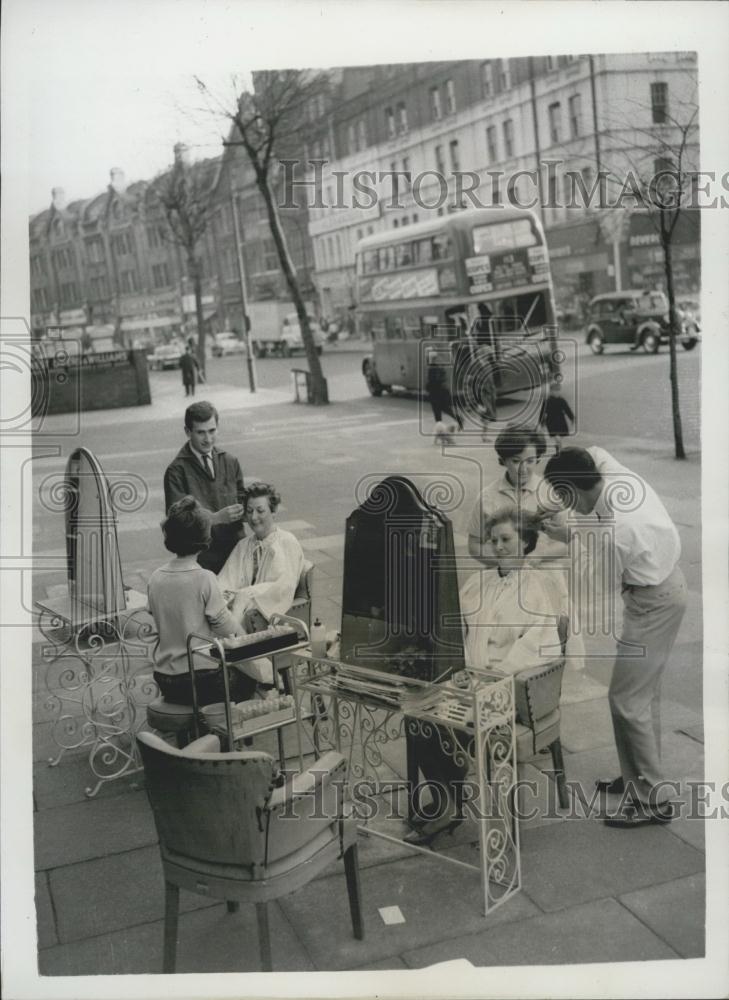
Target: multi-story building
{"x":430,"y":138}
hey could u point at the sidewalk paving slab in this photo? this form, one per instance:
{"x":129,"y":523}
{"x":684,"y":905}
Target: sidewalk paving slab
{"x":599,"y":931}
{"x":81,"y":831}
{"x":564,"y":864}
{"x":112,"y":894}
{"x":675,"y":911}
{"x":67,"y":783}
{"x":45,"y":920}
{"x":437,"y":901}
{"x":209,"y":940}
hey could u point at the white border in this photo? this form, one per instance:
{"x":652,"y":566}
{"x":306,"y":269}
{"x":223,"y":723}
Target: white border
{"x":186,"y":36}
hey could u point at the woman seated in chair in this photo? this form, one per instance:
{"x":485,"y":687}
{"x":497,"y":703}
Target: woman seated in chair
{"x":262,"y":572}
{"x":510,"y":624}
{"x":184,"y":598}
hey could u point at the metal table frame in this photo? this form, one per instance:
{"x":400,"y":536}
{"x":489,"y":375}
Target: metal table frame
{"x":356,"y":722}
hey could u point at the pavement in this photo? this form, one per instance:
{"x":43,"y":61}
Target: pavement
{"x":590,"y":894}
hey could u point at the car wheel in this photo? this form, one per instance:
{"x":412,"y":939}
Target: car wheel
{"x":373,"y":383}
{"x":650,"y":342}
{"x":597,"y":345}
{"x":689,"y":343}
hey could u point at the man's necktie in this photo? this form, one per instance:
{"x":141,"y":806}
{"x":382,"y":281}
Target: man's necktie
{"x":209,"y":466}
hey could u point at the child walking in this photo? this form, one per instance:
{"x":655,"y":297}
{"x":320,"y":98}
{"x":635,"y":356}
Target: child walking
{"x":555,"y":415}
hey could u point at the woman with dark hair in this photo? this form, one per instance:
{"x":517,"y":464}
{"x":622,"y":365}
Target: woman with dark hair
{"x":184,"y":598}
{"x":263,"y":570}
{"x":510,"y":624}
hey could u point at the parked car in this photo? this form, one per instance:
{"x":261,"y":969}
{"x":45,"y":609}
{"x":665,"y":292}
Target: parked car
{"x":227,"y":343}
{"x":635,"y":318}
{"x":291,"y":335}
{"x":165,"y":356}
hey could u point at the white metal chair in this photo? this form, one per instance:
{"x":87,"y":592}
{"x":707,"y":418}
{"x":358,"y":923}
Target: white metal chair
{"x":227,"y":831}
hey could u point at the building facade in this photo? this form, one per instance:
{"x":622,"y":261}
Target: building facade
{"x":431,"y":138}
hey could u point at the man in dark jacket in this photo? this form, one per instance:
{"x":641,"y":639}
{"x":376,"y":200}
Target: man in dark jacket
{"x":213,"y":477}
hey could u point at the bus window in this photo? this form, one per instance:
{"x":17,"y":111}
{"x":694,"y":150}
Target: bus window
{"x":386,"y":258}
{"x":370,"y":262}
{"x":403,"y":255}
{"x":423,"y":251}
{"x":503,"y":236}
{"x":441,"y":247}
{"x":378,"y":331}
{"x":413,"y":327}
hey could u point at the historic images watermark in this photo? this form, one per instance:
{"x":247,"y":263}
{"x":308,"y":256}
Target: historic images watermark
{"x":304,"y":184}
{"x":369,"y":799}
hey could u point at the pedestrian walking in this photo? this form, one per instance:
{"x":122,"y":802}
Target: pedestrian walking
{"x":441,"y":400}
{"x":211,"y":476}
{"x":645,"y":550}
{"x":190,"y":368}
{"x":556,"y":416}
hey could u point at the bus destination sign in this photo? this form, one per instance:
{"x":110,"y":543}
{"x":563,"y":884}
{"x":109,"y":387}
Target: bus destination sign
{"x":499,"y":272}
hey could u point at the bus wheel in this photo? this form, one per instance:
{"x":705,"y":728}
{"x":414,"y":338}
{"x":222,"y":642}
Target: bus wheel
{"x":373,"y":383}
{"x":596,"y":343}
{"x":651,"y":342}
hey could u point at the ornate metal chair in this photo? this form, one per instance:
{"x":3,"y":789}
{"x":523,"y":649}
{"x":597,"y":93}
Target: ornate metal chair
{"x":226,"y":831}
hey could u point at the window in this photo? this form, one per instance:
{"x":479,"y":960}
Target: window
{"x":69,"y":293}
{"x":229,"y":264}
{"x":575,"y":113}
{"x":321,"y":105}
{"x":659,"y":102}
{"x":453,"y":146}
{"x":415,"y":217}
{"x":123,"y":243}
{"x":64,"y":258}
{"x":99,"y":287}
{"x":551,"y":63}
{"x":505,"y":75}
{"x":508,"y":129}
{"x":270,"y":257}
{"x":316,"y":150}
{"x":390,"y":123}
{"x":439,"y":161}
{"x":407,"y":179}
{"x":402,"y":117}
{"x":351,"y":140}
{"x":555,"y":113}
{"x":95,"y":249}
{"x":160,"y":276}
{"x":330,"y":251}
{"x":37,"y":266}
{"x":487,"y":79}
{"x":362,"y":132}
{"x":40,"y":298}
{"x":451,"y":97}
{"x":370,"y":230}
{"x":395,"y":223}
{"x":128,"y":281}
{"x":493,"y":152}
{"x":359,"y":235}
{"x":435,"y":108}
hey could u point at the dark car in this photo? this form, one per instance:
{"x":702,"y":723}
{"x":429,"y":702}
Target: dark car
{"x":635,"y":318}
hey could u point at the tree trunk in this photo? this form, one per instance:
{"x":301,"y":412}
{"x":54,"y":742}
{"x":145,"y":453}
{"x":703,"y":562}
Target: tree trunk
{"x":672,"y":336}
{"x":194,"y":268}
{"x":318,"y":382}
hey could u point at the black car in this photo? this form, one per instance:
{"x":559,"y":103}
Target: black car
{"x":636,"y":318}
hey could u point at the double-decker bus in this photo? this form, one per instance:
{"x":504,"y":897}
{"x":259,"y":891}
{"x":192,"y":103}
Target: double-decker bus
{"x":479,"y":277}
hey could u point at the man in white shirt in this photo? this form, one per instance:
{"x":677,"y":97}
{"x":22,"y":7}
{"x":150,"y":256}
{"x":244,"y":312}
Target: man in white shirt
{"x":645,"y":549}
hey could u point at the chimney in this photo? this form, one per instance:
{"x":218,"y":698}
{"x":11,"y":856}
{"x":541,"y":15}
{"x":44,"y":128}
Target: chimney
{"x":118,"y":180}
{"x":182,"y":154}
{"x":58,"y":196}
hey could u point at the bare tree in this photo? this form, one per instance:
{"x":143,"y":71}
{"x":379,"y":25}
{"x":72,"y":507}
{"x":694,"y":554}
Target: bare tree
{"x":184,"y":196}
{"x":656,"y":174}
{"x":269,"y":122}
